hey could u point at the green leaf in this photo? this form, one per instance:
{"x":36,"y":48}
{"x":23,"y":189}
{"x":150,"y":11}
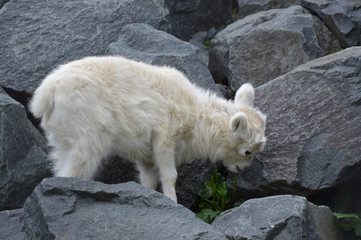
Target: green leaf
{"x":356,"y":224}
{"x":208,"y":215}
{"x":207,"y":43}
{"x":345,"y":215}
{"x":205,"y":193}
{"x":222,"y":189}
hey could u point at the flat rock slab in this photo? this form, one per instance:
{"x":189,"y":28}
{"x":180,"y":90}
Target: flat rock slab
{"x":278,"y":217}
{"x":313,"y":128}
{"x":263,"y":46}
{"x":23,"y":154}
{"x":142,"y":42}
{"x":78,"y":209}
{"x":39,"y":36}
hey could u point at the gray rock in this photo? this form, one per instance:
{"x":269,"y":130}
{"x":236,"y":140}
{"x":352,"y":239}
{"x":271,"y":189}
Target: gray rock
{"x":39,"y":36}
{"x":213,"y":14}
{"x":190,"y":16}
{"x":313,"y":128}
{"x":278,"y":217}
{"x":143,"y":43}
{"x":11,"y":224}
{"x":80,"y":209}
{"x":183,"y":15}
{"x":326,"y":39}
{"x":23,"y":154}
{"x":191,"y":177}
{"x":263,"y":46}
{"x":343,"y":18}
{"x":115,"y":169}
{"x":248,"y":7}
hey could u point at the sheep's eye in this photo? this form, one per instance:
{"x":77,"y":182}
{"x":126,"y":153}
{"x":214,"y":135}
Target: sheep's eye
{"x":248,"y":153}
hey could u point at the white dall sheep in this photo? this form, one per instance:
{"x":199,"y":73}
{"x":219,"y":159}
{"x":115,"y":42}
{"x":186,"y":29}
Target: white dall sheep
{"x":151,"y":115}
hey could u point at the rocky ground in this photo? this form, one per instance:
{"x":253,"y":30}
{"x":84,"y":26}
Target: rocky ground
{"x":304,"y":59}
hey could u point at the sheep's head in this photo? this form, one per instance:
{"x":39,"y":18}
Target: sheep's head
{"x":247,"y":131}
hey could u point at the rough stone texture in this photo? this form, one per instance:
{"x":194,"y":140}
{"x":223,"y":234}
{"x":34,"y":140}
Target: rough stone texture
{"x":23,"y":158}
{"x":117,"y":170}
{"x":313,"y":128}
{"x":11,"y":222}
{"x":143,"y":43}
{"x":326,"y":39}
{"x":191,"y":177}
{"x":248,"y":7}
{"x":77,"y":209}
{"x":190,"y":16}
{"x":278,"y":217}
{"x":37,"y":37}
{"x":183,"y":15}
{"x":263,"y":46}
{"x":213,"y":14}
{"x":343,"y":18}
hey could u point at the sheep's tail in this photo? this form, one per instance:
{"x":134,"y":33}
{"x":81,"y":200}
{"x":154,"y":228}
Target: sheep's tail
{"x":42,"y":103}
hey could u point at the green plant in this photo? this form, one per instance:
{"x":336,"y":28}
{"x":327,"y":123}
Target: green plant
{"x":347,"y":221}
{"x":207,"y":43}
{"x":214,"y":198}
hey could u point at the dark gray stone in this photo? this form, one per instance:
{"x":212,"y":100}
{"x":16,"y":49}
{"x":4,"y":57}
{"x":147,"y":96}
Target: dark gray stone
{"x":78,"y":209}
{"x":313,"y":128}
{"x":39,"y":36}
{"x":143,"y":43}
{"x":190,"y":16}
{"x":343,"y":18}
{"x":278,"y":217}
{"x":183,"y":15}
{"x":263,"y":46}
{"x":213,"y":14}
{"x":11,"y":222}
{"x":248,"y":7}
{"x":23,"y":154}
{"x":191,"y":177}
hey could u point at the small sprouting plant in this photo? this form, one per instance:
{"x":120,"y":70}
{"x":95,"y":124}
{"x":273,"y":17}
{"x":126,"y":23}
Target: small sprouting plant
{"x":207,"y":43}
{"x":346,"y":221}
{"x":214,"y":198}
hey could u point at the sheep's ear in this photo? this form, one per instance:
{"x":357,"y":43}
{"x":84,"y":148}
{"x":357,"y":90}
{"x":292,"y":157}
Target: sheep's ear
{"x":239,"y":124}
{"x":245,"y":95}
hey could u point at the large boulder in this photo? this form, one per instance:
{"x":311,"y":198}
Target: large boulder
{"x":143,"y":43}
{"x":343,"y":18}
{"x":78,"y":209}
{"x":278,"y":217}
{"x":37,"y":37}
{"x":190,"y":16}
{"x":183,"y":15}
{"x":23,"y":154}
{"x":263,"y":46}
{"x":313,"y":128}
{"x":11,"y":224}
{"x":213,"y":14}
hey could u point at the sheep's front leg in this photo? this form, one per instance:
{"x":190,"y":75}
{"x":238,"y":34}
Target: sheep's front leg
{"x":164,"y":159}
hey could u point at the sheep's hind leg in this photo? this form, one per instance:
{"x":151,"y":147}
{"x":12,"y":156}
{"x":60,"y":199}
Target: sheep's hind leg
{"x":149,"y":175}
